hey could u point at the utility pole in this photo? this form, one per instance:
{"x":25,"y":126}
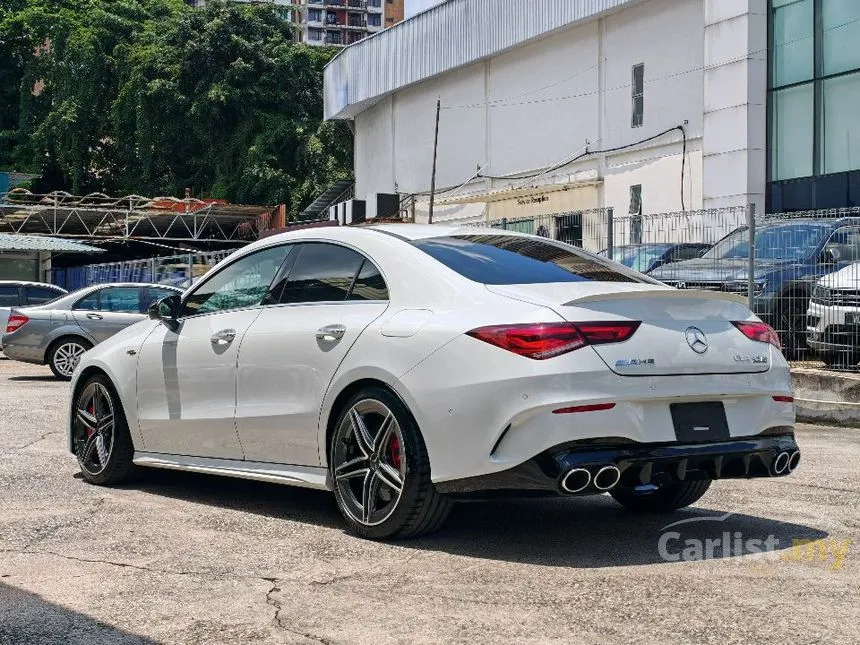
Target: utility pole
{"x":435,"y":151}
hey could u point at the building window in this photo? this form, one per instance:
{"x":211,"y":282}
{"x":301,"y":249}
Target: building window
{"x":374,"y":3}
{"x":638,"y":94}
{"x":840,"y":26}
{"x":315,"y":15}
{"x":840,"y":126}
{"x":814,"y":82}
{"x":315,"y":34}
{"x":636,"y":199}
{"x":792,"y":34}
{"x":792,"y":132}
{"x":374,"y":20}
{"x":333,"y":37}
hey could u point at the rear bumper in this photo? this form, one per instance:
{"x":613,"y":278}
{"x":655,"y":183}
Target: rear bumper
{"x":21,"y":352}
{"x":639,"y":464}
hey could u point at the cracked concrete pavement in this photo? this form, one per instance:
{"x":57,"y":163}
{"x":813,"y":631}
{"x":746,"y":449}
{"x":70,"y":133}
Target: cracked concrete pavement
{"x":180,"y":558}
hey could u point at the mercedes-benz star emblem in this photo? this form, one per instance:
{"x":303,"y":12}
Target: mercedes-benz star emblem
{"x":697,"y":340}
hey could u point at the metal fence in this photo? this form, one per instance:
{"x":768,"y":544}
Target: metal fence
{"x":800,"y":272}
{"x":174,"y":269}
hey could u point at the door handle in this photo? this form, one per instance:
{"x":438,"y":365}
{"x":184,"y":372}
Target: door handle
{"x":223,"y":337}
{"x":331,"y":333}
{"x":95,"y":316}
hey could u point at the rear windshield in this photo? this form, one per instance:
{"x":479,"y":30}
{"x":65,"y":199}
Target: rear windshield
{"x":509,"y":259}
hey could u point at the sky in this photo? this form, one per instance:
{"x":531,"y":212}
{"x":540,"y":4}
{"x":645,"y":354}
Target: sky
{"x":414,"y":6}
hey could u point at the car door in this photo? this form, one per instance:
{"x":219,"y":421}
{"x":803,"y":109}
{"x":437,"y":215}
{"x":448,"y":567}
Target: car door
{"x":186,"y":375}
{"x":325,"y":298}
{"x":106,"y":311}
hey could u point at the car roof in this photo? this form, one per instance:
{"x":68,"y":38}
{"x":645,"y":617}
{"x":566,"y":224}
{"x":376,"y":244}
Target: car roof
{"x":831,"y":221}
{"x":407,"y":232}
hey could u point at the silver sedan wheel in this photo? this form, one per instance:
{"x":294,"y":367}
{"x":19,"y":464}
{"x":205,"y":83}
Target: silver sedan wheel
{"x":369,"y":462}
{"x":94,"y":428}
{"x":67,"y":356}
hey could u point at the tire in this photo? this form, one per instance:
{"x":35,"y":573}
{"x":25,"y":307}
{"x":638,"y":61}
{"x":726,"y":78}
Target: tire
{"x":792,"y":326}
{"x":377,"y":448}
{"x":668,"y":497}
{"x":64,"y":355}
{"x":101,"y":438}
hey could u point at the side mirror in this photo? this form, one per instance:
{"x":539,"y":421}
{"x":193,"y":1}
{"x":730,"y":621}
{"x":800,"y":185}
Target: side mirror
{"x":166,"y":310}
{"x":829,"y":257}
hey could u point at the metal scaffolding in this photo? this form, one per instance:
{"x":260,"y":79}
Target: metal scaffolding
{"x":133,"y":217}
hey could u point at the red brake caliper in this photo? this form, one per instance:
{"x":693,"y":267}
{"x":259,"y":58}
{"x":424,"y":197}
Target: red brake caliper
{"x":395,"y":452}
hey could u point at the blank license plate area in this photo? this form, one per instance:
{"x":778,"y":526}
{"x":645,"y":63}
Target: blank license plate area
{"x":698,"y":422}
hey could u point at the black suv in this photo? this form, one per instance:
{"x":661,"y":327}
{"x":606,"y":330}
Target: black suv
{"x":791,"y":254}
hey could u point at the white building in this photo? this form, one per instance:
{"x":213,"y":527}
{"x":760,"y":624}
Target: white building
{"x":578,"y":104}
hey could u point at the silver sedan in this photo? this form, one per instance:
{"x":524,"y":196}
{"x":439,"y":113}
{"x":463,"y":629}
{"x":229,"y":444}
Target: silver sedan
{"x":59,"y":332}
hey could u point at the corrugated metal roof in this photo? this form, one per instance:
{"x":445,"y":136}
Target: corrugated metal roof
{"x":443,"y":38}
{"x":12,"y":242}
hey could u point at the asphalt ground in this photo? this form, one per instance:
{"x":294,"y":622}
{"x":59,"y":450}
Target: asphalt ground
{"x":181,"y":558}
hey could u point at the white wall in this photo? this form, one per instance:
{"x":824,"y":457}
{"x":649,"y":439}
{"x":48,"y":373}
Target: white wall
{"x":539,"y":103}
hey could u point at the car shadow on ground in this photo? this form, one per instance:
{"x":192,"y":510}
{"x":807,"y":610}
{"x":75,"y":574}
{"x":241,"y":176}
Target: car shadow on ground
{"x":582,"y":532}
{"x":270,"y":500}
{"x":48,"y":378}
{"x":28,"y":618}
{"x":594,"y":531}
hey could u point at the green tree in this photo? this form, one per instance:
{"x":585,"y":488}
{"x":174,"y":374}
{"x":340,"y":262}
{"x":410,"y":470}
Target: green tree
{"x":152,"y":97}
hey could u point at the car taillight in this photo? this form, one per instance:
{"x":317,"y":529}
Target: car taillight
{"x":540,"y":341}
{"x":760,"y":332}
{"x":16,"y":321}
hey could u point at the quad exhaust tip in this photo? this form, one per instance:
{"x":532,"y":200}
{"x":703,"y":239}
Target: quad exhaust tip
{"x":793,"y":461}
{"x":607,"y":477}
{"x":781,"y":463}
{"x":576,"y":480}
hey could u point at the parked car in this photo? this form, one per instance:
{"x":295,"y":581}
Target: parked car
{"x":833,"y":319}
{"x":15,"y":293}
{"x":647,"y":257}
{"x":790,"y":256}
{"x":402,"y":366}
{"x":59,"y":332}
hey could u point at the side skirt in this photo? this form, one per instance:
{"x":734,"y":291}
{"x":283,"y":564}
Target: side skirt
{"x":302,"y":476}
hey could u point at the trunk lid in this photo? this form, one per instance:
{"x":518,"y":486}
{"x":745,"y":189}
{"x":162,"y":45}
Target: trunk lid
{"x":682,"y":332}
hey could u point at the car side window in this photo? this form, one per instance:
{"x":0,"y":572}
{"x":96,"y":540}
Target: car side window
{"x":241,"y":284}
{"x":686,"y":253}
{"x":89,"y":302}
{"x":321,"y":273}
{"x":154,"y":294}
{"x":41,"y":295}
{"x":844,"y":243}
{"x":125,"y":300}
{"x":9,"y":296}
{"x":369,"y":285}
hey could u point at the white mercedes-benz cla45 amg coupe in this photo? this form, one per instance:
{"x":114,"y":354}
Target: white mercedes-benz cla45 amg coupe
{"x":404,"y":366}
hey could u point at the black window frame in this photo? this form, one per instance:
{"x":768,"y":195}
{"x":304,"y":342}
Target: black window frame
{"x":185,"y":296}
{"x":286,"y":270}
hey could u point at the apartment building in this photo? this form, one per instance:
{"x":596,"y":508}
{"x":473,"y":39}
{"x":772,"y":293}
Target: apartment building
{"x":336,"y":22}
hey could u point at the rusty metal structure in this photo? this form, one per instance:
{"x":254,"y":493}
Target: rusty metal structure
{"x":162,"y":219}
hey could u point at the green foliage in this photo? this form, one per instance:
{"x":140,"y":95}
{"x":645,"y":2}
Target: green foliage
{"x":152,"y":96}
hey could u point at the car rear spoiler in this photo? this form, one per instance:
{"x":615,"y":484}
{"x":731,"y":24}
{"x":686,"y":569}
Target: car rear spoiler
{"x":680,"y":294}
